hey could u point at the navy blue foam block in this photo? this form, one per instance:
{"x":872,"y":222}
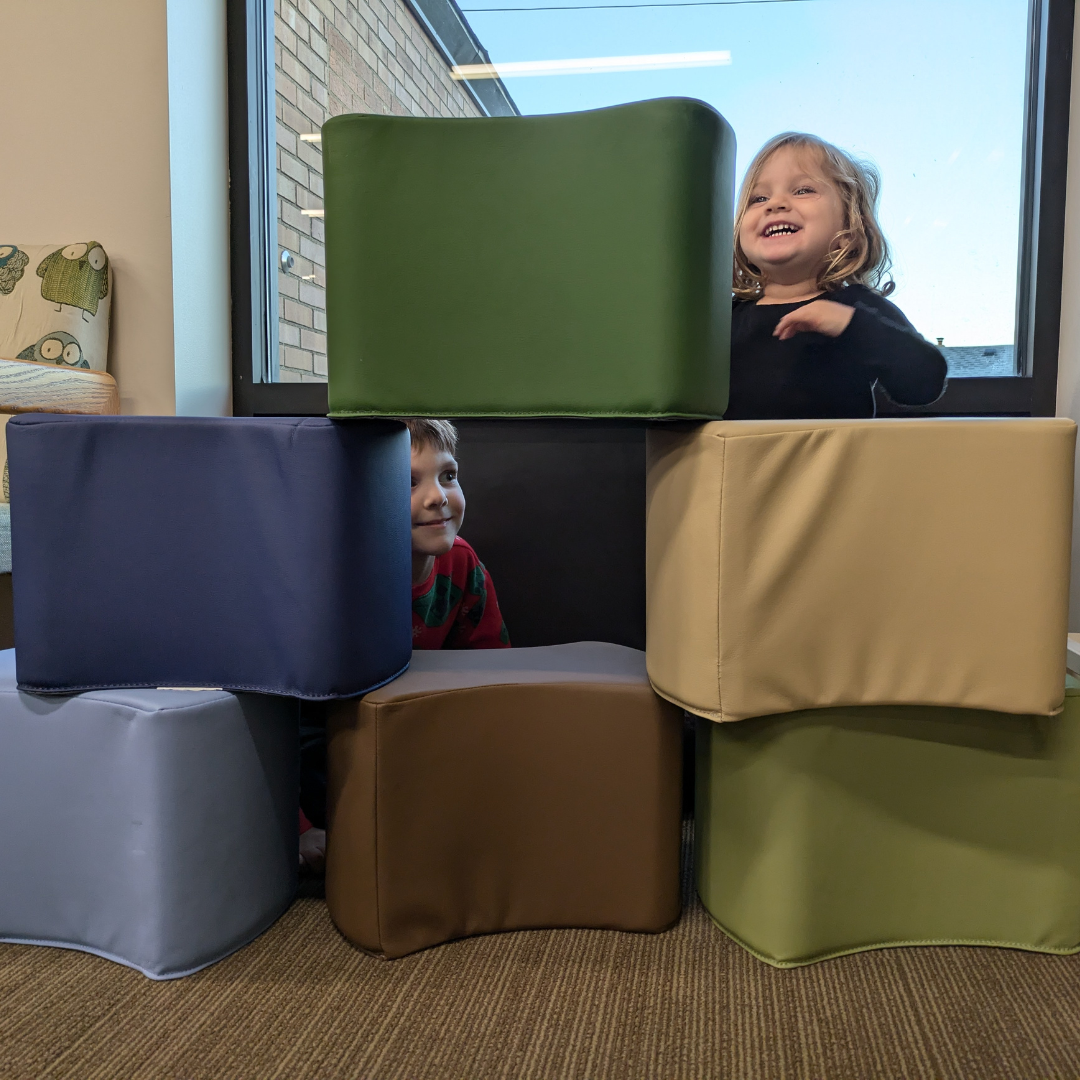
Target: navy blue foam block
{"x":269,"y":554}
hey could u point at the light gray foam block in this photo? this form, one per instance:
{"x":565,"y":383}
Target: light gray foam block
{"x":157,"y":828}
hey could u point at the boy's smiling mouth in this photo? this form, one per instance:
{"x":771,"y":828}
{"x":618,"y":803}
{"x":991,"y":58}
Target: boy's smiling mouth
{"x":434,"y":524}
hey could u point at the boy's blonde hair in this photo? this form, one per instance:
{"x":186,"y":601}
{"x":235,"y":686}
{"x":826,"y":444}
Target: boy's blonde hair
{"x":860,"y":254}
{"x":439,"y":434}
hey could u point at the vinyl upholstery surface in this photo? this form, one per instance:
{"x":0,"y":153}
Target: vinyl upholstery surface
{"x":565,"y":265}
{"x":268,"y":554}
{"x":504,"y":789}
{"x":155,"y":827}
{"x":808,"y":564}
{"x":825,"y":832}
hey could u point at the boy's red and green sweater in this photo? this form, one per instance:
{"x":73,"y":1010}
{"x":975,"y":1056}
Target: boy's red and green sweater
{"x":455,"y":606}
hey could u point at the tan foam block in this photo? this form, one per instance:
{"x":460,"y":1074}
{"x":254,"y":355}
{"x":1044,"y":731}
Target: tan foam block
{"x":504,"y":790}
{"x":805,"y":564}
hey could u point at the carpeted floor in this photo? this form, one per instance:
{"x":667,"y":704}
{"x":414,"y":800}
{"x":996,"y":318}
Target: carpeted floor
{"x":302,"y":1003}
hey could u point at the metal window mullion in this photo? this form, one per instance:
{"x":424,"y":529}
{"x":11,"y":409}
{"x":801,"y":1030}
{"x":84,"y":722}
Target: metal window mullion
{"x":252,"y":195}
{"x":1042,"y":206}
{"x":262,"y":184}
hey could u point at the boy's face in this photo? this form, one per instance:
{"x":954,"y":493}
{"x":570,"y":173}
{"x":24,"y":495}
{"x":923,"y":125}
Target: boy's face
{"x":438,"y":504}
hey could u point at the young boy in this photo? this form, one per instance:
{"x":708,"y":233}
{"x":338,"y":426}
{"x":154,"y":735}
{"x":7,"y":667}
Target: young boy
{"x":453,"y":599}
{"x":454,"y":604}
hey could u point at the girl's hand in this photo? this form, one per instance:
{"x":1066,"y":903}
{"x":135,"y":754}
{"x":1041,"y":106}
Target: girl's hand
{"x":822,"y":316}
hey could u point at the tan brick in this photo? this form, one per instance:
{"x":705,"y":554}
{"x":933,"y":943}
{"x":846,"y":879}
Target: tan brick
{"x":302,"y":268}
{"x":339,"y":91}
{"x":293,"y":167}
{"x":286,"y":139}
{"x":313,"y":251}
{"x":367,"y":55}
{"x":292,"y":216}
{"x":311,"y":61}
{"x":285,"y":375}
{"x":387,"y":38}
{"x":312,"y":294}
{"x":297,"y":359}
{"x":308,"y":200}
{"x":296,"y":313}
{"x":315,"y":113}
{"x":310,"y":155}
{"x":311,"y":13}
{"x":319,"y":364}
{"x":295,"y":70}
{"x":319,"y":46}
{"x":285,"y":35}
{"x":342,"y":37}
{"x":294,"y":119}
{"x":286,"y":237}
{"x":313,"y":340}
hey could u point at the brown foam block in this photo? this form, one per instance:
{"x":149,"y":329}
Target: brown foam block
{"x":504,"y":790}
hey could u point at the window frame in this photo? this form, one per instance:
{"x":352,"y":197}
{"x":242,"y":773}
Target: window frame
{"x":252,"y":198}
{"x":254,"y":247}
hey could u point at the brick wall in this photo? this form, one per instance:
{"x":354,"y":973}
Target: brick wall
{"x":337,"y":56}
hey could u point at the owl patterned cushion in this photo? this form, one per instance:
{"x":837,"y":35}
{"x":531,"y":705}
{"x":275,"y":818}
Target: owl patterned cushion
{"x":54,"y":304}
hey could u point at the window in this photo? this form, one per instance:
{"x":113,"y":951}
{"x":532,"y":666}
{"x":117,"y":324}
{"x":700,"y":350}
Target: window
{"x":963,"y":107}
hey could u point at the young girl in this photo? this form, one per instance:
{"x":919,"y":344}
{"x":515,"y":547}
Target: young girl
{"x":811,"y":330}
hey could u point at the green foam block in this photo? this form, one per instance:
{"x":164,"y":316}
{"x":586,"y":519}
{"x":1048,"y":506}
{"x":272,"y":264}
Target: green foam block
{"x":833,"y":831}
{"x":566,"y":265}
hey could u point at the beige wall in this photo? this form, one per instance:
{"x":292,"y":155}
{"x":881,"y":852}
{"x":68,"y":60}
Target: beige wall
{"x":86,"y":126}
{"x":85,"y":130}
{"x":1068,"y":399}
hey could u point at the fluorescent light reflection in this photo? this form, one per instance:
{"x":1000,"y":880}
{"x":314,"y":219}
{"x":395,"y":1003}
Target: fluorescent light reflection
{"x":313,"y":213}
{"x":596,"y":65}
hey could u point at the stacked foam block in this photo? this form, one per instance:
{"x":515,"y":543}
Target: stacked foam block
{"x":880,"y":606}
{"x":864,"y":581}
{"x":180,"y":583}
{"x":544,"y":268}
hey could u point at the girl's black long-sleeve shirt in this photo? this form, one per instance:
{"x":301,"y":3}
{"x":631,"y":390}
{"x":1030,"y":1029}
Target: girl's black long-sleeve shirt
{"x":813,"y":376}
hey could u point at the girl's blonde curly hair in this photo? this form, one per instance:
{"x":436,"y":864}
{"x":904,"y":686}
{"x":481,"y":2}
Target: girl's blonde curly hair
{"x":859,"y":254}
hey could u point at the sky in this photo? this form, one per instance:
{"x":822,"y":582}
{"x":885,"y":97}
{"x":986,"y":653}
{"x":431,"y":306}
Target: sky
{"x":932,"y":91}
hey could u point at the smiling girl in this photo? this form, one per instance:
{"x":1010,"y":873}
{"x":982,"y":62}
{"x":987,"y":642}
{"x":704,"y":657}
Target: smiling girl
{"x":811,"y":329}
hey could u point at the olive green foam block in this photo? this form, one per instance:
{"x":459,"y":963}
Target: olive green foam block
{"x":566,"y":265}
{"x":838,"y":830}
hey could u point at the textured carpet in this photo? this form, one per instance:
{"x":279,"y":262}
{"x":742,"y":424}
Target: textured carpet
{"x":302,"y":1003}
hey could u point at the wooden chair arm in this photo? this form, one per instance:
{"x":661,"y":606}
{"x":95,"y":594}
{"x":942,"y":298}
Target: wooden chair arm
{"x":29,"y":386}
